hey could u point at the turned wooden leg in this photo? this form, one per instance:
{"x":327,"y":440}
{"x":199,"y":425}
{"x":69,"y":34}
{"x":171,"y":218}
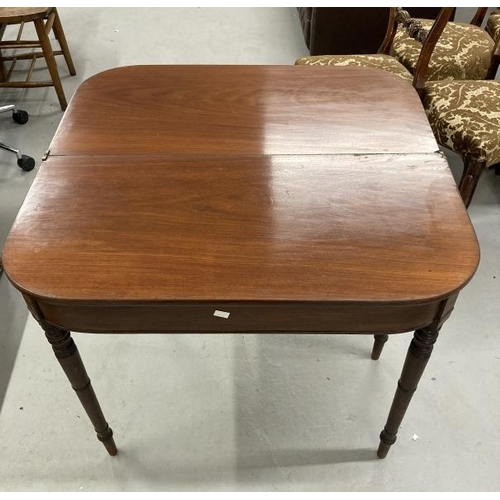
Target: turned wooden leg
{"x":378,"y":345}
{"x":48,"y":54}
{"x":470,"y":177}
{"x":416,"y":360}
{"x":69,"y":358}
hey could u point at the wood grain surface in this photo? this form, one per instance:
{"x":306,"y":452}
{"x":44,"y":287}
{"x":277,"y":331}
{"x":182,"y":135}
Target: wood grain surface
{"x":362,"y":229}
{"x":244,"y":110}
{"x":299,"y":198}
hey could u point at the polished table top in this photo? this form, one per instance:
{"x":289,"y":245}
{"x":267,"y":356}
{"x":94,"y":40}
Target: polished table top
{"x":291,"y":227}
{"x":179,"y":191}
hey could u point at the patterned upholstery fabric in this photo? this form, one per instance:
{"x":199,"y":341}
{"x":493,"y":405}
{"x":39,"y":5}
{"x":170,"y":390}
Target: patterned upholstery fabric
{"x":493,"y":25}
{"x":379,"y":61}
{"x":465,"y":116}
{"x":463,"y":52}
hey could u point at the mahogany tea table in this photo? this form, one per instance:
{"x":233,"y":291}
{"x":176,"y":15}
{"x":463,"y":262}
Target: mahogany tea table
{"x":264,"y":199}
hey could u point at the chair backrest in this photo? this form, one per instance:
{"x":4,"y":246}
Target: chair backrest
{"x":478,"y":18}
{"x":428,"y":38}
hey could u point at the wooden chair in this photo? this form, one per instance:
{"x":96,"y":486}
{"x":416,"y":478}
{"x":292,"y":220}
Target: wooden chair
{"x":383,"y":60}
{"x":465,"y":118}
{"x":45,"y":20}
{"x":463,"y":51}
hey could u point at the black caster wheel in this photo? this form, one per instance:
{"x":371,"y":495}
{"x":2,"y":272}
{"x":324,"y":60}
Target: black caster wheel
{"x":26,"y":163}
{"x":20,"y":117}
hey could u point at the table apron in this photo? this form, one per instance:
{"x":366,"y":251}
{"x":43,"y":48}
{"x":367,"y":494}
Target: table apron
{"x":242,"y":317}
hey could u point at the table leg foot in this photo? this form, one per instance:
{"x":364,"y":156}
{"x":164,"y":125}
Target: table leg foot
{"x":378,"y":345}
{"x":69,"y":358}
{"x":418,"y":355}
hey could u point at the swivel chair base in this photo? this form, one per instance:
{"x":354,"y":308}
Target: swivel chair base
{"x":25,"y":162}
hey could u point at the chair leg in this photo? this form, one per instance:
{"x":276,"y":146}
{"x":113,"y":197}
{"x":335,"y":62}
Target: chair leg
{"x":48,"y":54}
{"x":61,"y":37}
{"x":470,"y":177}
{"x":3,"y":71}
{"x":492,"y":71}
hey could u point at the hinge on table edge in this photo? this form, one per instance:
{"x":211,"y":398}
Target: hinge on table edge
{"x":46,"y":155}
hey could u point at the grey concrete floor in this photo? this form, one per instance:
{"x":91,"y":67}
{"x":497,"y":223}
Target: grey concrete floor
{"x":238,"y":412}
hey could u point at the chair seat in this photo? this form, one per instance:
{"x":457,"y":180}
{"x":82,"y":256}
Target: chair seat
{"x":15,"y":15}
{"x":465,"y":116}
{"x":463,"y":52}
{"x":378,"y":61}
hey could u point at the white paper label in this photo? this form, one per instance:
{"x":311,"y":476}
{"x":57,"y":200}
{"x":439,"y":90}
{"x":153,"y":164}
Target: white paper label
{"x":221,"y":314}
